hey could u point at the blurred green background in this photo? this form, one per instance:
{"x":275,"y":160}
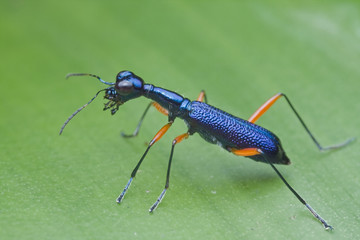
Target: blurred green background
{"x":241,"y":53}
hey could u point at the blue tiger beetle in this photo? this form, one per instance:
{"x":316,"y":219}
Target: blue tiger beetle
{"x":236,"y":135}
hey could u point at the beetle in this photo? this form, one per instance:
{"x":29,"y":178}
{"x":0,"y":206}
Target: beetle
{"x":238,"y":136}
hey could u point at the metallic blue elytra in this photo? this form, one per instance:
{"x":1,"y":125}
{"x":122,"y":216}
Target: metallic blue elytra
{"x":228,"y":131}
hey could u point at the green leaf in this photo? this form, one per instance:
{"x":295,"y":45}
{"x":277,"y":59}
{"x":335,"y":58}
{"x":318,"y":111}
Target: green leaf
{"x":241,"y":53}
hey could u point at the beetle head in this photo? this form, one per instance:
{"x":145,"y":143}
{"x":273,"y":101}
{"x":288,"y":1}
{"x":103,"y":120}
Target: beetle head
{"x":127,"y":86}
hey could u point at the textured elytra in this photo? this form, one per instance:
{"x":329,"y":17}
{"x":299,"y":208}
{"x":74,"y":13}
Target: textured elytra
{"x":228,"y":131}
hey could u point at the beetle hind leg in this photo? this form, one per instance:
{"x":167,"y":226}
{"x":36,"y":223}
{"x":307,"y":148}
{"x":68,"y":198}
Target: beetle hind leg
{"x":263,"y":108}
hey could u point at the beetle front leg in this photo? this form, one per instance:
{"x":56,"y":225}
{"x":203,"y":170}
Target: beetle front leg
{"x":175,"y":141}
{"x":157,"y":137}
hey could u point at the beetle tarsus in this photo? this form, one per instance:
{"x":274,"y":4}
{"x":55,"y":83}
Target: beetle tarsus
{"x":336,"y":146}
{"x":318,"y":217}
{"x":121,"y":196}
{"x":156,"y":204}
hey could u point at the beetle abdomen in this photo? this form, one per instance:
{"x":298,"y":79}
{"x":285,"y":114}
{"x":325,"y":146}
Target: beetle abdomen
{"x":228,"y":131}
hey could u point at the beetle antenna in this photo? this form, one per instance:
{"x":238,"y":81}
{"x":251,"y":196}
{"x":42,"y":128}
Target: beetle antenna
{"x":77,"y":111}
{"x":88,"y":74}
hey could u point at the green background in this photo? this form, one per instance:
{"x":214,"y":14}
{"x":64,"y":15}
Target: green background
{"x":241,"y":53}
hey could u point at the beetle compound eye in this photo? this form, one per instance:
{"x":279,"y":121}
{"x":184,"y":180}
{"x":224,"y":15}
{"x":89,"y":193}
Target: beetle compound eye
{"x":124,"y":87}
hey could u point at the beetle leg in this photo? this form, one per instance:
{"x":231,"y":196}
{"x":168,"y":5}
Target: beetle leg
{"x":175,"y":141}
{"x":258,"y":113}
{"x":157,"y":106}
{"x":202,"y":97}
{"x":246,"y":152}
{"x":160,"y":108}
{"x":261,"y":110}
{"x":157,"y":137}
{"x":313,"y":212}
